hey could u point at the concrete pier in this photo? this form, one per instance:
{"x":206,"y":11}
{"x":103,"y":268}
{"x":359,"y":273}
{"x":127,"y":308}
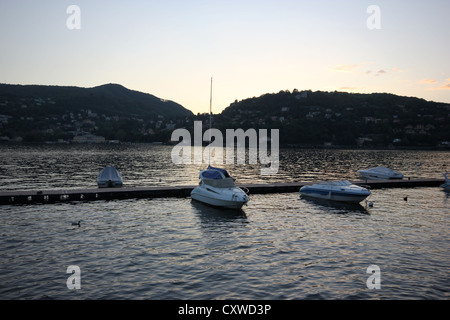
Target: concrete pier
{"x":54,"y":196}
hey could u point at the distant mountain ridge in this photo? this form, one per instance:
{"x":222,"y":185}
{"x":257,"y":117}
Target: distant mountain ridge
{"x":109,"y":99}
{"x":36,"y":113}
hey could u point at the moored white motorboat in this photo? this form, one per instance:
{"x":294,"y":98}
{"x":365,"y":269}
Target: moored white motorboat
{"x":380,"y":173}
{"x":341,"y":190}
{"x":446,"y":185}
{"x":109,"y":177}
{"x":217,"y":188}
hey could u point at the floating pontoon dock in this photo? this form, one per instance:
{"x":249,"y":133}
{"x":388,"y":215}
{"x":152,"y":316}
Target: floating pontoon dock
{"x":53,"y":196}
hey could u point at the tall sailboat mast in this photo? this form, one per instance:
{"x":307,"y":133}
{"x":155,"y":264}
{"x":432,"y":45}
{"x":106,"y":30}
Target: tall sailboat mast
{"x":210,"y":109}
{"x":210,"y":123}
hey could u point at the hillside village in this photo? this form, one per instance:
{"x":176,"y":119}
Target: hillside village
{"x":24,"y":123}
{"x":81,"y":118}
{"x":304,"y":118}
{"x":341,"y":119}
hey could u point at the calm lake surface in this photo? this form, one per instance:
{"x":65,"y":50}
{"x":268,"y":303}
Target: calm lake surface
{"x":280,"y":246}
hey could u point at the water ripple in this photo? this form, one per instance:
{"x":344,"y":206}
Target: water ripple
{"x":280,"y":246}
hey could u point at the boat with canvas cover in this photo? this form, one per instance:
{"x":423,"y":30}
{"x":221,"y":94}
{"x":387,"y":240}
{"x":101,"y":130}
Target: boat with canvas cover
{"x":217,"y":188}
{"x":109,"y":177}
{"x":336,"y":191}
{"x":380,"y":173}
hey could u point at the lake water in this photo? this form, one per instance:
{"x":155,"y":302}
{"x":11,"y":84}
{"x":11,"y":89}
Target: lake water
{"x":280,"y":246}
{"x":77,"y":166}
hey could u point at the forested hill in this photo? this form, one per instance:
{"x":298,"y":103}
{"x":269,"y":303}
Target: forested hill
{"x":108,"y":99}
{"x":305,"y":118}
{"x":36,"y":113}
{"x":343,"y":119}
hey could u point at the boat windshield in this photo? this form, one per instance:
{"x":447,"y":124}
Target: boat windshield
{"x":337,"y":183}
{"x":219,"y":183}
{"x":223,"y":171}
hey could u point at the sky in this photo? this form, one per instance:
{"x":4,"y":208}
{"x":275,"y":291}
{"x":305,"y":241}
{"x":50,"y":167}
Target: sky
{"x":172,"y":48}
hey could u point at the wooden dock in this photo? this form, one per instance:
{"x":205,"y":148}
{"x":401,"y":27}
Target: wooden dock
{"x":54,"y":196}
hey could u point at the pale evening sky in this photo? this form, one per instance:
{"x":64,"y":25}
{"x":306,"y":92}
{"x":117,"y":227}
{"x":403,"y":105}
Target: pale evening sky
{"x":250,"y":47}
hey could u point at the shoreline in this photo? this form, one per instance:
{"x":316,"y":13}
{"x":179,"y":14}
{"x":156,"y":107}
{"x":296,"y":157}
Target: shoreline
{"x":284,"y":146}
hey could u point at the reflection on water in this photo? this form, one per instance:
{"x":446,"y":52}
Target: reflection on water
{"x":279,"y":246}
{"x":208,"y":212}
{"x":336,"y":207}
{"x":77,"y":166}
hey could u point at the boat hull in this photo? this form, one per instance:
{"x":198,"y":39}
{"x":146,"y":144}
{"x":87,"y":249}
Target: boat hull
{"x":109,"y":184}
{"x":334,"y":196}
{"x":216,"y":200}
{"x":380,"y":174}
{"x":341,"y":191}
{"x":372,"y":176}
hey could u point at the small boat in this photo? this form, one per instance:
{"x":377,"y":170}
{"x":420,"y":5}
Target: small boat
{"x":380,"y":173}
{"x":109,"y":177}
{"x":341,"y":190}
{"x":217,"y":188}
{"x":446,"y":185}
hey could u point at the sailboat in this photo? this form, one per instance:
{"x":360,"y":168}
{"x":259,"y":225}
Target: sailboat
{"x":217,"y":187}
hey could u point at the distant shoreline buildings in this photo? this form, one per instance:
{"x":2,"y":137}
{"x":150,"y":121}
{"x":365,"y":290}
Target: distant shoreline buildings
{"x":111,"y":113}
{"x":89,"y":138}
